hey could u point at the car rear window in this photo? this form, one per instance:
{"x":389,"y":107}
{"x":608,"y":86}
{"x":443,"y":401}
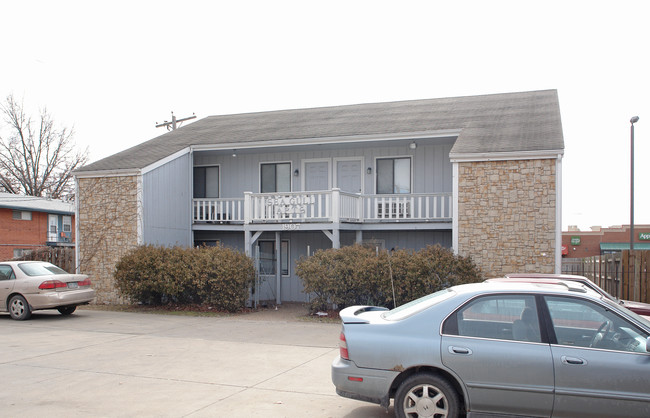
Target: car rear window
{"x":418,"y":305}
{"x":40,"y":269}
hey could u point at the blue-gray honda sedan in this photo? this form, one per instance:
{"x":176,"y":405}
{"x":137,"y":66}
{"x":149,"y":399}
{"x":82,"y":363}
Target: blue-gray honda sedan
{"x":558,"y":350}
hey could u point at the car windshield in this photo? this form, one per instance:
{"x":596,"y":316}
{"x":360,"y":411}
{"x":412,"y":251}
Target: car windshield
{"x":644,"y":320}
{"x":417,"y":305}
{"x":596,"y":288}
{"x":40,"y":269}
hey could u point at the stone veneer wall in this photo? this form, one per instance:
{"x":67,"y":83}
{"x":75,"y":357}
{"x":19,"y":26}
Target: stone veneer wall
{"x":506,"y":215}
{"x":108,"y":229}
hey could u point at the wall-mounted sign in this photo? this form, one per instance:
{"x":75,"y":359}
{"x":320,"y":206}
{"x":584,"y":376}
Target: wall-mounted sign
{"x":290,"y":205}
{"x":644,"y":236}
{"x":575,"y":240}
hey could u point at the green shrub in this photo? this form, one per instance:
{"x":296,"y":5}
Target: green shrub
{"x":217,"y":276}
{"x":357,"y":275}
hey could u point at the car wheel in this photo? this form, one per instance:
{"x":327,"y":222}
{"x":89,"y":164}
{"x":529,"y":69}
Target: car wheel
{"x":19,"y":308}
{"x":66,"y":310}
{"x":426,"y":395}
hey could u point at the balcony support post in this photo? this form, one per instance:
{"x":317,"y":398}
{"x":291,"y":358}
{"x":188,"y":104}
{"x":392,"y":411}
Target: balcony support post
{"x":278,"y":269}
{"x":336,"y":236}
{"x":249,"y":240}
{"x":247,"y":207}
{"x":248,"y":246}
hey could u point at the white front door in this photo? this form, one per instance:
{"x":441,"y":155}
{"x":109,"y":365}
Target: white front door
{"x":348,"y":175}
{"x":316,"y":175}
{"x":52,"y":227}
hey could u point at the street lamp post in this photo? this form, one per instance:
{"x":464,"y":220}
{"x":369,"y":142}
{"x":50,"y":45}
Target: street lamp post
{"x":634,"y":120}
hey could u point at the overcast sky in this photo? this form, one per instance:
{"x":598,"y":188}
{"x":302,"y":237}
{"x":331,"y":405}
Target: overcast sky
{"x":113,"y":69}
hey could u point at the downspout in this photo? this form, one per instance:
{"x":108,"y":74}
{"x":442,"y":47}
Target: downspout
{"x":558,"y":214}
{"x":139,"y":210}
{"x":191,"y":200}
{"x":454,"y":216}
{"x":76,"y":224}
{"x":278,"y":269}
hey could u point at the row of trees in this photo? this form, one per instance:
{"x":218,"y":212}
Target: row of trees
{"x":37,"y":157}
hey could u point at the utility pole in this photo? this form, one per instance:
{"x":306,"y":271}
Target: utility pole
{"x":634,"y":120}
{"x":171,"y":126}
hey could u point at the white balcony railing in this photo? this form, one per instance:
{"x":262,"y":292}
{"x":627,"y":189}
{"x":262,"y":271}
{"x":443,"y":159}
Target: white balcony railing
{"x":218,"y":210}
{"x":324,"y":206}
{"x":421,"y":206}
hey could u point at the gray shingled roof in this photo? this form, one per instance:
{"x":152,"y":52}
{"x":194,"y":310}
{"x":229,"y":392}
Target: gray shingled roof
{"x":508,"y":122}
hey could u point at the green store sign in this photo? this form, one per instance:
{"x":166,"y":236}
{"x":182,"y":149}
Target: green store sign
{"x":644,"y":236}
{"x":575,"y":240}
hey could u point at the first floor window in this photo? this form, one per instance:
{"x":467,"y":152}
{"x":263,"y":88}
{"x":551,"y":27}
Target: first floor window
{"x":67,"y":223}
{"x":207,"y":243}
{"x":21,"y":252}
{"x":267,"y":257}
{"x":22,"y":215}
{"x":275,"y":177}
{"x":393,"y":175}
{"x":206,"y":182}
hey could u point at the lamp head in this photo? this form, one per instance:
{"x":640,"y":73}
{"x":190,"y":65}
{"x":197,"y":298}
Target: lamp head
{"x":634,"y":119}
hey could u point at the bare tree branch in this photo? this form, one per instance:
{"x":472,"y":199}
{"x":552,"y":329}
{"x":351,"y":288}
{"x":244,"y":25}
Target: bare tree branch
{"x":37,"y":160}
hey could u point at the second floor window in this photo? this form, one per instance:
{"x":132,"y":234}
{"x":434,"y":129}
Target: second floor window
{"x":206,"y":182}
{"x":393,"y":175}
{"x":275,"y":177}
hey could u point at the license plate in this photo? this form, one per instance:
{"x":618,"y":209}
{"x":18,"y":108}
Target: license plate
{"x":73,"y":285}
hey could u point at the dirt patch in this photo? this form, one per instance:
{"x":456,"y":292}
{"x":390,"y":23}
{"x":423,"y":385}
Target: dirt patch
{"x":288,"y":311}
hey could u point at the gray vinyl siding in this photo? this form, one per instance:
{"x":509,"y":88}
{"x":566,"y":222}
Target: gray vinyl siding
{"x":229,"y":239}
{"x":291,"y":289}
{"x":166,"y":202}
{"x":431,"y":168}
{"x":414,"y":240}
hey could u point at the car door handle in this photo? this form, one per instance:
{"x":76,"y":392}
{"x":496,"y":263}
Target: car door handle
{"x":573,"y":360}
{"x":459,"y":350}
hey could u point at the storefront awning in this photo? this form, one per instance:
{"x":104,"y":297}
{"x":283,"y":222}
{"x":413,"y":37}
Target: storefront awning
{"x":620,"y":246}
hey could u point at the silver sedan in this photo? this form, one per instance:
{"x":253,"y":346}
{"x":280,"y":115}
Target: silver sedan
{"x":26,"y":286}
{"x":558,"y":350}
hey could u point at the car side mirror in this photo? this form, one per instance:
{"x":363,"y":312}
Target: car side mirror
{"x":647,"y":344}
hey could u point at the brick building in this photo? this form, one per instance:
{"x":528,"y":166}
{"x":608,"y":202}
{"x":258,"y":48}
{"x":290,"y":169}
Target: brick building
{"x":580,"y":244}
{"x":28,"y":222}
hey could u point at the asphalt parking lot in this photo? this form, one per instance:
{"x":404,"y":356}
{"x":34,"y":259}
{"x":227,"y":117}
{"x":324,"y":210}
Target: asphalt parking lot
{"x":118,"y":364}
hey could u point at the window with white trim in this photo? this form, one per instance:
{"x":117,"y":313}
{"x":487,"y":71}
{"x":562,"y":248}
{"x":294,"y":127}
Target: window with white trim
{"x":393,"y":175}
{"x":21,"y":252}
{"x":275,"y":177}
{"x":67,"y":224}
{"x":267,"y":257}
{"x":206,"y":182}
{"x":22,"y":215}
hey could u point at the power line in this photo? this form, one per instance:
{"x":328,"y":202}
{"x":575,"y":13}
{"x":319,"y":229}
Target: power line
{"x":171,"y":126}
